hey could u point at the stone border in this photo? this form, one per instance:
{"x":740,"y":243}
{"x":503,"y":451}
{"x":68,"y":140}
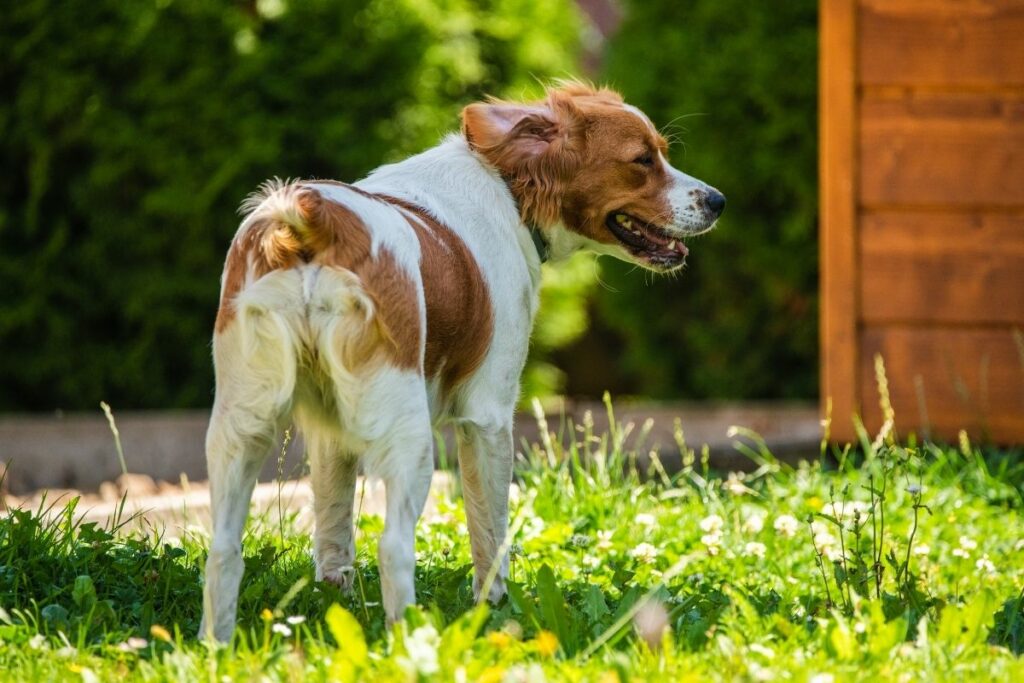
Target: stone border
{"x":76,"y":451}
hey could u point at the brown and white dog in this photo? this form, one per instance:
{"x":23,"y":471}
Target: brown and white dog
{"x":370,"y":312}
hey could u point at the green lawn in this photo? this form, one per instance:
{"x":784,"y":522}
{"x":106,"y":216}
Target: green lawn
{"x":805,"y":573}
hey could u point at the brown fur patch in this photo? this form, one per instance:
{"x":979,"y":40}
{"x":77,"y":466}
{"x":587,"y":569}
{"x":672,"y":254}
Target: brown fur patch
{"x":585,"y":169}
{"x":332,"y":236}
{"x":264,"y":245}
{"x":348,"y":246}
{"x":460,"y":320}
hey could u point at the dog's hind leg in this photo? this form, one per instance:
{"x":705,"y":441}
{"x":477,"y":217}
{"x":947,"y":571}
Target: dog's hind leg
{"x":394,"y":422}
{"x":333,"y":477}
{"x":406,"y":486}
{"x":255,"y":366}
{"x":234,"y":459}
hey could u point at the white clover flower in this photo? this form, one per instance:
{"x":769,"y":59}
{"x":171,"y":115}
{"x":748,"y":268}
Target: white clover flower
{"x":604,"y":540}
{"x":968,"y":543}
{"x":786,"y":525}
{"x":960,"y":552}
{"x":644,"y":553}
{"x":860,"y":627}
{"x":734,"y":485}
{"x":645,"y":519}
{"x":753,"y":524}
{"x":819,"y":527}
{"x":283,"y":629}
{"x":421,"y":647}
{"x":712,"y":541}
{"x":858,"y":511}
{"x":922,"y":549}
{"x":822,"y":678}
{"x":442,"y":519}
{"x":985,"y":565}
{"x":38,"y":642}
{"x":295,"y":620}
{"x":591,"y":561}
{"x":827,"y":544}
{"x":132,"y":644}
{"x":534,"y":526}
{"x":755,"y":549}
{"x":712,"y":524}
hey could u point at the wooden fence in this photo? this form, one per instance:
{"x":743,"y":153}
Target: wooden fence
{"x":922,"y":196}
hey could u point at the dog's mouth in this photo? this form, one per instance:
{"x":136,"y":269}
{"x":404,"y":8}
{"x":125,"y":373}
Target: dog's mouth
{"x":647,"y":241}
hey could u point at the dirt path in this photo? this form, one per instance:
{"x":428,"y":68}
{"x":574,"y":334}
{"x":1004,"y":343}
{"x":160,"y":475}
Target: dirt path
{"x":174,"y":508}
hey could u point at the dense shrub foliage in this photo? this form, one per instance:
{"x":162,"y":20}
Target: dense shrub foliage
{"x":131,"y":129}
{"x":736,"y":82}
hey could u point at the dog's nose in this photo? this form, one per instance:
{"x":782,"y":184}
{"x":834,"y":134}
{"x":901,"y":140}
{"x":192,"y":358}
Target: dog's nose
{"x":715,"y":202}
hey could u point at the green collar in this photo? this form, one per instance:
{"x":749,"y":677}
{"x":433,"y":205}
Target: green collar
{"x":543,"y":248}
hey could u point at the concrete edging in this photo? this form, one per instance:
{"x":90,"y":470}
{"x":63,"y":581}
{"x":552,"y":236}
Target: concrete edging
{"x":76,"y":451}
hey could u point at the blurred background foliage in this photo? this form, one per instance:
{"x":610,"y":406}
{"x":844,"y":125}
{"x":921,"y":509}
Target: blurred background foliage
{"x":735,"y":81}
{"x":131,"y":129}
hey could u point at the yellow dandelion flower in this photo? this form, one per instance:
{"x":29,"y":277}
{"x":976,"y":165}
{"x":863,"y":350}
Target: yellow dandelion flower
{"x":266,"y":615}
{"x":160,"y":633}
{"x":815,"y":502}
{"x":499,"y":639}
{"x":492,"y":674}
{"x":547,"y":643}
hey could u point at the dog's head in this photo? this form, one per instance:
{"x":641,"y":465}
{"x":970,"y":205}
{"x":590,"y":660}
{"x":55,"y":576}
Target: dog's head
{"x":592,"y":172}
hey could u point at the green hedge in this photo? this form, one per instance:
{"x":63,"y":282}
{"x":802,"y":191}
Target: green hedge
{"x":738,"y":81}
{"x":131,"y":129}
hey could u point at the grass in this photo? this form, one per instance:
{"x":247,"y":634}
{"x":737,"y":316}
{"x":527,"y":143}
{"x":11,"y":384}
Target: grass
{"x":896,"y":560}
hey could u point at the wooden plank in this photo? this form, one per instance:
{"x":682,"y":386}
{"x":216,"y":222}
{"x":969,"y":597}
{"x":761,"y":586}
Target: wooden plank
{"x":837,"y":175}
{"x":970,"y":379}
{"x":953,"y":267}
{"x":941,"y":43}
{"x":942,"y":149}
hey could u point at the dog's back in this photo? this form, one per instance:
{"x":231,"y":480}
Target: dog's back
{"x":327,"y":287}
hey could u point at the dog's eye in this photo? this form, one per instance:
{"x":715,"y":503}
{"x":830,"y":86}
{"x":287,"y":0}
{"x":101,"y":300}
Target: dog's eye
{"x":645,"y":159}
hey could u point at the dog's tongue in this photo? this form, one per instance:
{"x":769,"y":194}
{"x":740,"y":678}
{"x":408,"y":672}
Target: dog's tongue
{"x":665,"y":240}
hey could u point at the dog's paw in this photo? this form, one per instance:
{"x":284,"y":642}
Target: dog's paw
{"x":494,"y":595}
{"x":342,"y":577}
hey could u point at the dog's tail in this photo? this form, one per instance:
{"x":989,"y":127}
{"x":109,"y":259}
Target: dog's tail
{"x":295,"y":222}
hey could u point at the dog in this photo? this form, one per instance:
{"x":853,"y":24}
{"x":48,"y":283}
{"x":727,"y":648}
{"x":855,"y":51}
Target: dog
{"x":370,"y":312}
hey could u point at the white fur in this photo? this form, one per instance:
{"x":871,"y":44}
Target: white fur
{"x":279,"y":360}
{"x":276,"y":361}
{"x":688,"y":218}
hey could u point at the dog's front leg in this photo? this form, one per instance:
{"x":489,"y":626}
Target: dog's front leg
{"x":485,"y":462}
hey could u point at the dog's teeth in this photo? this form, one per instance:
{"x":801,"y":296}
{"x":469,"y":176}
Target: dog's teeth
{"x":672,"y":245}
{"x":621,"y":219}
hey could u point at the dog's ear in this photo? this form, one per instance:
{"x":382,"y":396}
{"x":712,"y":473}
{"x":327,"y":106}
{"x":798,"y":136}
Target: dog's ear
{"x":535,"y":146}
{"x":521,"y":131}
{"x":487,"y":125}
